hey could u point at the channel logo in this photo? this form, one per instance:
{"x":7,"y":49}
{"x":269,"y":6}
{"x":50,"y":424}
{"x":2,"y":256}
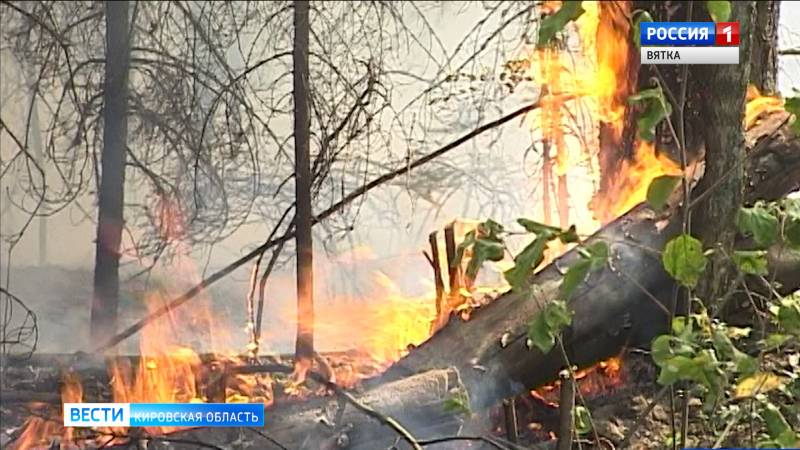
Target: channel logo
{"x":163,"y":415}
{"x":689,"y":42}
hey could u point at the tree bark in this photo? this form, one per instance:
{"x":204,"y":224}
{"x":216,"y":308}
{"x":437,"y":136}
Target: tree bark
{"x":304,"y":344}
{"x":111,"y":197}
{"x":764,"y":56}
{"x":715,"y":217}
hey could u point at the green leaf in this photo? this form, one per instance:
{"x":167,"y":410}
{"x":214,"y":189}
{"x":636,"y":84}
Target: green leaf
{"x":791,"y":225}
{"x":660,"y":189}
{"x":752,"y":262}
{"x":759,"y":222}
{"x":792,"y":105}
{"x":526,"y":261}
{"x":540,"y":334}
{"x":543,"y":329}
{"x":777,"y":426}
{"x":598,"y":254}
{"x":788,"y":315}
{"x":456,"y":405}
{"x":719,"y":10}
{"x":490,"y":230}
{"x":583,"y":420}
{"x":678,"y":368}
{"x":537,"y":228}
{"x":656,"y":109}
{"x":684,"y":260}
{"x":557,"y":315}
{"x":569,"y":235}
{"x":661,"y":349}
{"x":552,"y":24}
{"x":639,"y":16}
{"x":594,"y":257}
{"x":775,"y":340}
{"x":484,"y":250}
{"x":575,"y":275}
{"x":646,"y":95}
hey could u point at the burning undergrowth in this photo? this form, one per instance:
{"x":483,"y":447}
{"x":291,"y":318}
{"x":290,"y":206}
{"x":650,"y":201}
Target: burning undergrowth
{"x":168,"y":370}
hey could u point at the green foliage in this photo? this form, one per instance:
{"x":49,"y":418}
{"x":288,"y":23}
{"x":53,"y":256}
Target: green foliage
{"x":700,"y":350}
{"x":639,"y":16}
{"x":751,"y":262}
{"x":457,"y":404}
{"x":684,"y":260}
{"x":554,"y":23}
{"x":760,"y":222}
{"x":780,"y":432}
{"x":583,"y":422}
{"x":487,"y":244}
{"x":533,"y":254}
{"x":786,"y":314}
{"x":791,"y":224}
{"x":526,"y":261}
{"x":656,"y":109}
{"x":544,"y":328}
{"x":719,"y":10}
{"x":660,"y":189}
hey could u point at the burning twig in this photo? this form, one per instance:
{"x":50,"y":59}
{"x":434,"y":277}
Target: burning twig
{"x":566,"y":406}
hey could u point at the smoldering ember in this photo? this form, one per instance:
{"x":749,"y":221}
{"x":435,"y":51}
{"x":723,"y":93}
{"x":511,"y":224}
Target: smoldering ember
{"x":397,"y":225}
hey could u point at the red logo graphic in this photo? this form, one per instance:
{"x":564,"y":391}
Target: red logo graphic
{"x":727,"y":33}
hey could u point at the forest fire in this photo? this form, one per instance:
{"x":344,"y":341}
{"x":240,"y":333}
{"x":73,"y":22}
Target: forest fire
{"x":615,"y":166}
{"x":168,"y":371}
{"x":602,"y":76}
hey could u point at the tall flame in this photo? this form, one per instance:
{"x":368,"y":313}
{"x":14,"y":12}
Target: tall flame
{"x":602,"y":76}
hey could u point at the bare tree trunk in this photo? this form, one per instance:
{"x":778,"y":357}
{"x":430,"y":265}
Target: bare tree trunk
{"x":764,"y":56}
{"x":725,"y":151}
{"x":105,"y":301}
{"x":304,"y":345}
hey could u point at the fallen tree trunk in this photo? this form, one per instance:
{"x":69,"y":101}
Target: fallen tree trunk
{"x":624,"y":304}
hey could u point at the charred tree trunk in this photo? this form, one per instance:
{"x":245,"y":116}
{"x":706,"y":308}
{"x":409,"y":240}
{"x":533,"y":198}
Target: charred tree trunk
{"x":715,"y":217}
{"x":304,"y":345}
{"x":764,"y":54}
{"x":111,"y":197}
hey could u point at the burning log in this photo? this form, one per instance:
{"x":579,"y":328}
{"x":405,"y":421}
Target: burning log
{"x":625,"y":304}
